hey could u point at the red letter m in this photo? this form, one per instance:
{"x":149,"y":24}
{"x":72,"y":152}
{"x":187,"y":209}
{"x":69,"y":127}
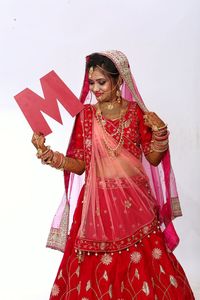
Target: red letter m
{"x":54,"y":89}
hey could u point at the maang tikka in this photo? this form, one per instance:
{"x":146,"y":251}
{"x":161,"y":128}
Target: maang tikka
{"x":91,"y":70}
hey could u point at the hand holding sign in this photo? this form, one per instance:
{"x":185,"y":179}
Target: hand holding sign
{"x":38,"y":141}
{"x":54,"y":90}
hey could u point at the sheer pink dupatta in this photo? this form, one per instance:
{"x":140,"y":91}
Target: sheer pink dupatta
{"x":161,"y":178}
{"x":117,"y":200}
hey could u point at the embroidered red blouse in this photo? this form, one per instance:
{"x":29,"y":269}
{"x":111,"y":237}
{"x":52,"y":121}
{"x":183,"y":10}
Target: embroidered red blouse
{"x":137,"y":136}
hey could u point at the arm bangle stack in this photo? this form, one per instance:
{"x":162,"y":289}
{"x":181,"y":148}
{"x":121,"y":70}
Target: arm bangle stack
{"x":160,"y":141}
{"x":54,"y":159}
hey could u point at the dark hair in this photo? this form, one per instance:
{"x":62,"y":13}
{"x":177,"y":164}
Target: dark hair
{"x":105,"y":63}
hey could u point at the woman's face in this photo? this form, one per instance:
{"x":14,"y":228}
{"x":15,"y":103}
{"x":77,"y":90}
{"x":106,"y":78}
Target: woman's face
{"x":102,"y":86}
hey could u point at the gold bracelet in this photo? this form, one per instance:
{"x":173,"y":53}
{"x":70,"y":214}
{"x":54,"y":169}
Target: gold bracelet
{"x":156,"y":128}
{"x":40,"y":152}
{"x":63,"y":164}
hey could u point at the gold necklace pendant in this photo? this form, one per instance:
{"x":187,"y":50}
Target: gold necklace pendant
{"x":110,"y":106}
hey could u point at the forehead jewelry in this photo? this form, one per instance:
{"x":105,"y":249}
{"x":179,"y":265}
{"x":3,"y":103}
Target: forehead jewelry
{"x":91,"y":70}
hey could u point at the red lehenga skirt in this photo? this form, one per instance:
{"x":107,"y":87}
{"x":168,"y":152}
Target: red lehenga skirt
{"x":146,"y":270}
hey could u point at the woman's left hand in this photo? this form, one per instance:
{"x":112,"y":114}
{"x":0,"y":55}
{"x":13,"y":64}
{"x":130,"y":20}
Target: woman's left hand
{"x":152,"y":120}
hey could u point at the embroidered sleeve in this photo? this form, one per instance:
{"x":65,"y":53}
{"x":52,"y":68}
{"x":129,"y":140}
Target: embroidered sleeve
{"x":76,"y":149}
{"x":145,"y":133}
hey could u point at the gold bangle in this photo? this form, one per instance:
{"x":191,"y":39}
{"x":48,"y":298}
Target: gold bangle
{"x":63,"y":164}
{"x":40,"y":152}
{"x":156,"y":128}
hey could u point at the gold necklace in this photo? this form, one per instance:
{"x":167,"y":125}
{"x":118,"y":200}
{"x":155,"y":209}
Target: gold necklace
{"x":112,"y":151}
{"x":110,"y":105}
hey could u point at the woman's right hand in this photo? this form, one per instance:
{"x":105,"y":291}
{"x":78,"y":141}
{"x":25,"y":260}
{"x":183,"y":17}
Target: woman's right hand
{"x":38,"y":140}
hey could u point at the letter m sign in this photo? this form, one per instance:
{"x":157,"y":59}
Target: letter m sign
{"x":54,"y":89}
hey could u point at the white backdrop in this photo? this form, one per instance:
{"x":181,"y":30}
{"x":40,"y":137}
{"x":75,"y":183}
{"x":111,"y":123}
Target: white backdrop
{"x":162,"y":41}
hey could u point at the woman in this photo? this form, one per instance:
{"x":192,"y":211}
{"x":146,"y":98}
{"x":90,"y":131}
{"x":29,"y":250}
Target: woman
{"x":115,"y":248}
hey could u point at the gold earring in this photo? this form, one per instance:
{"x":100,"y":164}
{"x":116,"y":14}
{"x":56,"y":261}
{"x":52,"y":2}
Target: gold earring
{"x":119,"y":97}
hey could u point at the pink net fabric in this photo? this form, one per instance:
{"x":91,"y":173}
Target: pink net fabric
{"x":117,"y":200}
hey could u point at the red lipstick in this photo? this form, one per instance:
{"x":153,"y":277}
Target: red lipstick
{"x":97,"y":94}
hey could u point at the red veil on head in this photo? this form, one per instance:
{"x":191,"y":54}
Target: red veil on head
{"x":161,"y":178}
